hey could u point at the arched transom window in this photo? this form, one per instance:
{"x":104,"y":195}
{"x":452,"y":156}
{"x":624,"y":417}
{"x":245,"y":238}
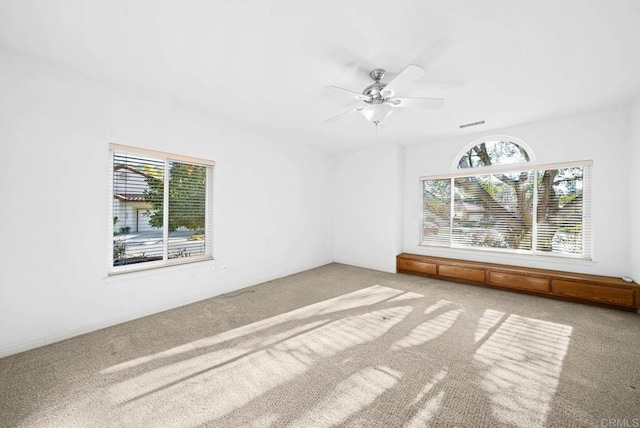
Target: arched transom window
{"x":493,"y":152}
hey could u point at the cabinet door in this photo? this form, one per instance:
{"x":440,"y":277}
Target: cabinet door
{"x":463,"y":273}
{"x":519,"y":281}
{"x":416,"y":266}
{"x":596,"y":293}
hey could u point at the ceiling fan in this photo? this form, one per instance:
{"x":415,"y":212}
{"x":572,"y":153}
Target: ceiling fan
{"x":381,"y":99}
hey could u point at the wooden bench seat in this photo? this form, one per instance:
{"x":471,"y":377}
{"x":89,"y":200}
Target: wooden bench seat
{"x":576,"y":287}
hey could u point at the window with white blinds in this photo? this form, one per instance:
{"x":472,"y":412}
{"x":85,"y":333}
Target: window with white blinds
{"x":546,"y":210}
{"x":160,"y":209}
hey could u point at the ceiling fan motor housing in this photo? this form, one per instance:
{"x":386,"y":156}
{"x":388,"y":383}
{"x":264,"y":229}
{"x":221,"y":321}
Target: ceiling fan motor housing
{"x":373,"y":92}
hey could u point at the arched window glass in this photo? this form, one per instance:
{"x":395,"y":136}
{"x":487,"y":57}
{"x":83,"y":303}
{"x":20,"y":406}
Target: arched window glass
{"x":493,"y":152}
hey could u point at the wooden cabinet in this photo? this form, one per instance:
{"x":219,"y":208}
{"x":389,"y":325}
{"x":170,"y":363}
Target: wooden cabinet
{"x":417,"y":266}
{"x":463,"y":273}
{"x":594,"y":289}
{"x":519,"y":281}
{"x":596,"y":293}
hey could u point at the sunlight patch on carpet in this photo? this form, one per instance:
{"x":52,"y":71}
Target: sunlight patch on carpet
{"x":429,"y":386}
{"x":152,"y":380}
{"x":264,"y":421}
{"x":350,"y":397}
{"x":218,"y":387}
{"x":407,"y":296}
{"x":520,"y":364}
{"x":437,"y":305}
{"x":428,"y":330}
{"x":489,"y":319}
{"x":360,"y":298}
{"x":427,"y":412}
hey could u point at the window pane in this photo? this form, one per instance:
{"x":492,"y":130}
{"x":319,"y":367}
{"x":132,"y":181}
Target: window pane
{"x":493,"y":153}
{"x":187,"y":209}
{"x":161,"y":209}
{"x":494,"y":211}
{"x":560,"y":211}
{"x":436,"y":212}
{"x":138,"y":235}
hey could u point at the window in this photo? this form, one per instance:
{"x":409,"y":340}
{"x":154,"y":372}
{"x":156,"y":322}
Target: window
{"x":497,"y":201}
{"x":160,"y":207}
{"x":493,"y":152}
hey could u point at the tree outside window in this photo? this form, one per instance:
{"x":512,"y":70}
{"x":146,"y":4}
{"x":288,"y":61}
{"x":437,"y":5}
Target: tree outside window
{"x":513,"y":209}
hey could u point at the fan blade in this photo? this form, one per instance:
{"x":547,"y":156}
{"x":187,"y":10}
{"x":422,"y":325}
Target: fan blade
{"x":416,"y":102}
{"x":357,"y":109}
{"x":404,"y":80}
{"x":347,"y":92}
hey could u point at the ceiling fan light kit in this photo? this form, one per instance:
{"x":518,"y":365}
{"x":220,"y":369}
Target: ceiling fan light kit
{"x":376,"y":113}
{"x":380,"y":98}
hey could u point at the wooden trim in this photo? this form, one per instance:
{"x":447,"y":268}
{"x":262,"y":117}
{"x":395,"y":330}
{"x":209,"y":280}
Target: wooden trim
{"x":158,"y":154}
{"x":576,"y":287}
{"x":497,"y":169}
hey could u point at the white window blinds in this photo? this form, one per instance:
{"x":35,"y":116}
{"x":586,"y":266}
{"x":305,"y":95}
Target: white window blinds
{"x":161,"y":209}
{"x":538,"y":211}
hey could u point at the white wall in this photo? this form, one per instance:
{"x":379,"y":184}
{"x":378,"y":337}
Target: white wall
{"x":601,"y":136}
{"x":272,"y":205}
{"x":367,"y":216}
{"x":634,"y":194}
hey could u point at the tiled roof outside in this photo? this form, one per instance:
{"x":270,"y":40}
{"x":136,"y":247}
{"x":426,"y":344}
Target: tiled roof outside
{"x":130,"y":197}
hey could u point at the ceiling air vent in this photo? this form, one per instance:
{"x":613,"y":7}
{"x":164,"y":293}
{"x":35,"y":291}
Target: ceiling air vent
{"x":466,"y":125}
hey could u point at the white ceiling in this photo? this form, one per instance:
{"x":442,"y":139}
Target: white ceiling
{"x":263,"y":64}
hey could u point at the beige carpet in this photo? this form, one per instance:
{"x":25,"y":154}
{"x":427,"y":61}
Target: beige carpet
{"x":340,"y":346}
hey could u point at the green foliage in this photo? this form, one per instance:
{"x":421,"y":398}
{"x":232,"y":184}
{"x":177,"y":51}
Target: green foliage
{"x":506,"y":152}
{"x":565,"y":199}
{"x":154,"y":171}
{"x":119,"y":249}
{"x":187,"y":187}
{"x":436,"y":198}
{"x":567,"y":184}
{"x":489,"y":186}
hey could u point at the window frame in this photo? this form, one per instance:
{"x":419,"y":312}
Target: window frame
{"x":587,"y":252}
{"x":166,"y":261}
